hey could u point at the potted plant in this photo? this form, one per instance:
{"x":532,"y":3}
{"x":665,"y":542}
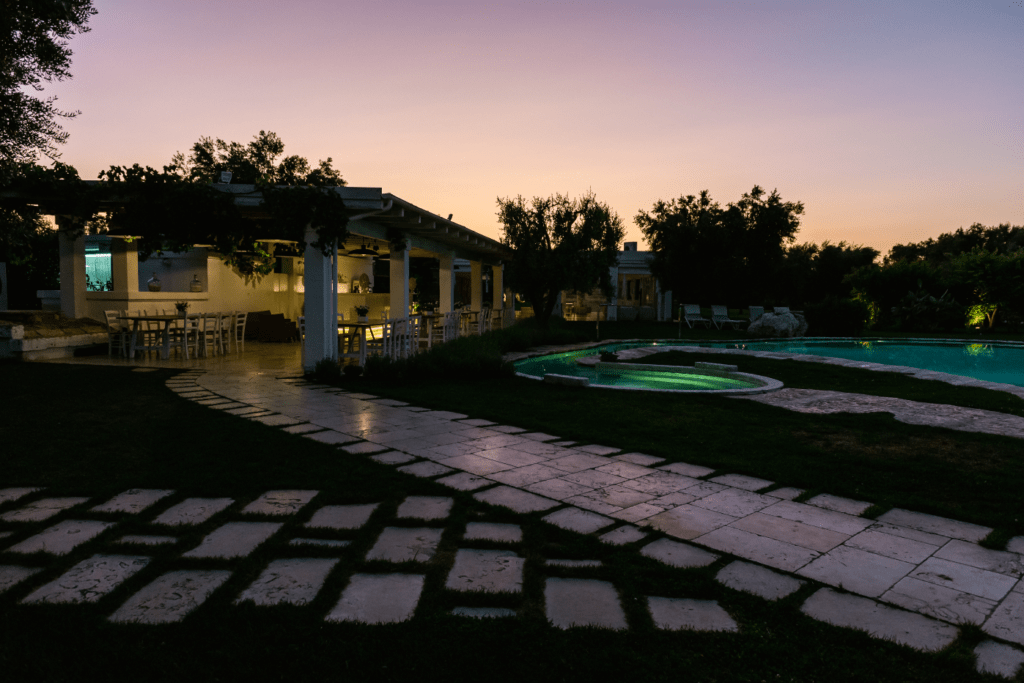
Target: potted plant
{"x":362,"y":312}
{"x":182,"y":306}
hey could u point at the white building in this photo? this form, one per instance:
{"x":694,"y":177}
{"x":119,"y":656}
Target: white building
{"x":638,"y":294}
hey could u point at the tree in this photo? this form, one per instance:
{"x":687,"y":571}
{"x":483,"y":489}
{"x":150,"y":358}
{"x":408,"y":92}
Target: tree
{"x":704,"y":252}
{"x":255,"y":162}
{"x":34,"y":48}
{"x":1000,"y":239}
{"x":559,"y":244}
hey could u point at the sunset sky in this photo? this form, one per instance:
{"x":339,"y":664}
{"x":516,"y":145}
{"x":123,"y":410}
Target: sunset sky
{"x":890,"y":121}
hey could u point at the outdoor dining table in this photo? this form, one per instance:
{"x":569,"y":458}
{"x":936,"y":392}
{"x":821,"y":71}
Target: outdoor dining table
{"x":165,"y":333}
{"x":361,"y":328}
{"x":429,"y":319}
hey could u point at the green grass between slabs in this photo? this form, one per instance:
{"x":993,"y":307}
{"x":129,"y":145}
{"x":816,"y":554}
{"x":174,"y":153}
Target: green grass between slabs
{"x":95,"y":431}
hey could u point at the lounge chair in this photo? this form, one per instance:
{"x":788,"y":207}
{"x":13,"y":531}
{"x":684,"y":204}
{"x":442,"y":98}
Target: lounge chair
{"x":779,"y":310}
{"x":720,"y":316}
{"x":756,"y":312}
{"x":691,"y":315}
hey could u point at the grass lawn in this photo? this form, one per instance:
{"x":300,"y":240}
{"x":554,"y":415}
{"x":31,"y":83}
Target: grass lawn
{"x":96,"y":431}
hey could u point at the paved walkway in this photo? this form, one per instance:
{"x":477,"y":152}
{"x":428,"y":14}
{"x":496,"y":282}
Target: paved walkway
{"x":908,"y":576}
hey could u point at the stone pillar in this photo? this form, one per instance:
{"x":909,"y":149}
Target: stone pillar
{"x":321,"y":323}
{"x":613,"y":302}
{"x":498,"y":286}
{"x":124,"y":266}
{"x":400,"y":280}
{"x":446,"y":281}
{"x":72,"y":268}
{"x":476,"y":286}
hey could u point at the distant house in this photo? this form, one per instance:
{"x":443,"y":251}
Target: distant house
{"x":638,"y":294}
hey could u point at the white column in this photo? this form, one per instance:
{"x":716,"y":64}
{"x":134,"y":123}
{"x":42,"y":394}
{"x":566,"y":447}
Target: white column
{"x":400,"y":280}
{"x":613,"y":303}
{"x":446,"y":281}
{"x":476,"y":286}
{"x":321,"y":323}
{"x":124,"y":266}
{"x":659,"y":301}
{"x":72,"y":269}
{"x":498,"y":286}
{"x":667,"y":296}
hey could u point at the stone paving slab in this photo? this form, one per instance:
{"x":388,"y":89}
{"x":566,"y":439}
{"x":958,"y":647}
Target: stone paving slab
{"x":483,"y":612}
{"x":577,"y":520}
{"x":514,"y":499}
{"x":593,"y":479}
{"x":524,"y":476}
{"x":320,"y":542}
{"x":61,"y":538}
{"x":638,"y":513}
{"x":425,"y":469}
{"x":687,"y":470}
{"x":89,"y":580}
{"x":687,"y":521}
{"x":464,"y":481}
{"x":591,"y":501}
{"x":229,"y":405}
{"x":399,"y":544}
{"x":936,"y":525}
{"x":305,"y":428}
{"x":598,"y":449}
{"x":675,"y":614}
{"x":677,"y":554}
{"x":583,"y":602}
{"x":768,"y":551}
{"x":476,"y":464}
{"x":939,"y":601}
{"x":11,"y":575}
{"x":364,"y":448}
{"x":133,"y":500}
{"x":248,"y":410}
{"x":667,"y":483}
{"x":488,"y":571}
{"x":825,"y":519}
{"x":626,"y":533}
{"x":537,"y":436}
{"x":329,"y":436}
{"x":286,"y":502}
{"x":837,"y":504}
{"x":626,"y":470}
{"x":1001,"y":562}
{"x":641,"y":459}
{"x":888,"y":545}
{"x":997,"y":658}
{"x":147,"y":540}
{"x":393,"y":458}
{"x":961,"y":577}
{"x":741,"y":481}
{"x":757,"y":580}
{"x":13,"y":494}
{"x":905,"y":628}
{"x":785,"y":493}
{"x":41,"y":510}
{"x":788,"y":531}
{"x":735,"y":502}
{"x":341,"y":516}
{"x":234,"y":539}
{"x":1007,"y":622}
{"x":379,"y":598}
{"x":577,"y":462}
{"x":912,"y":534}
{"x":490,"y":531}
{"x":425,"y":507}
{"x":193,"y":511}
{"x":507,"y":429}
{"x":857,"y":571}
{"x":170,"y":597}
{"x":277,"y":420}
{"x":510,"y":457}
{"x":291,"y":582}
{"x":1016,"y":544}
{"x":565,"y":444}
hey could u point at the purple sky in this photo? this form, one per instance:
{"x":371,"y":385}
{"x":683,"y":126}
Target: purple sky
{"x":890,"y":121}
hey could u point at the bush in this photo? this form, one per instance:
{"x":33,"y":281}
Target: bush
{"x":327,"y":370}
{"x":921,"y":312}
{"x":835,"y":317}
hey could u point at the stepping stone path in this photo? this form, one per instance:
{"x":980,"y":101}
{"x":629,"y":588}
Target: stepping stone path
{"x":132,"y":501}
{"x":61,"y":538}
{"x":489,"y":571}
{"x":674,"y":614}
{"x":397,"y":544}
{"x":279,"y":503}
{"x":489,"y":531}
{"x":341,"y":516}
{"x":234,"y":539}
{"x":292,"y":582}
{"x":89,"y":580}
{"x":193,"y":511}
{"x":583,"y":602}
{"x":379,"y":598}
{"x":170,"y":597}
{"x":41,"y":510}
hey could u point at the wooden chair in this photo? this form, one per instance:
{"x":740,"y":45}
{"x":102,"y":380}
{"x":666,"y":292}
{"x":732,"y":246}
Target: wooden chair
{"x":118,"y":333}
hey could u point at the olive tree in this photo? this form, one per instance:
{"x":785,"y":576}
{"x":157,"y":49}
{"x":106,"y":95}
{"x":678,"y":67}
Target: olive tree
{"x":559,"y":244}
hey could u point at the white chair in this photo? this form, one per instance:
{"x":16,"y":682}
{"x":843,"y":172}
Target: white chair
{"x":691,"y":315}
{"x":483,"y":324}
{"x":118,"y":333}
{"x":756,"y":312}
{"x":239,"y":329}
{"x":720,"y":316}
{"x":184,"y":334}
{"x":226,"y":329}
{"x":209,"y":332}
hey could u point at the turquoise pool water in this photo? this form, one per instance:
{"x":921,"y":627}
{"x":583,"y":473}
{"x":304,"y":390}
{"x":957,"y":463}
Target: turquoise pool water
{"x":991,"y":362}
{"x":565,"y":364}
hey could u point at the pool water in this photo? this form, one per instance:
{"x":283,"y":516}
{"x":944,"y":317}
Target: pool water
{"x":565,"y":364}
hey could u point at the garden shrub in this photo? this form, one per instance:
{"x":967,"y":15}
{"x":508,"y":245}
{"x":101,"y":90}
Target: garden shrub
{"x":835,"y":317}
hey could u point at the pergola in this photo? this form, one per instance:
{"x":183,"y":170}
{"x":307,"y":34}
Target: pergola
{"x":374,"y":216}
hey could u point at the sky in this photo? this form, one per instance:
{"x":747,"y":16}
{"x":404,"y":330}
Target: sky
{"x":890,"y":121}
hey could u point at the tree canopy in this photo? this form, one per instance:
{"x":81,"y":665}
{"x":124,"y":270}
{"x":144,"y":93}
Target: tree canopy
{"x":559,"y":244}
{"x":34,"y":49}
{"x":999,"y":239}
{"x":704,"y":252}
